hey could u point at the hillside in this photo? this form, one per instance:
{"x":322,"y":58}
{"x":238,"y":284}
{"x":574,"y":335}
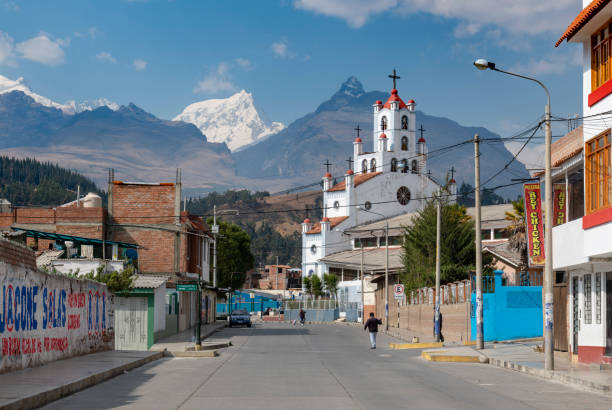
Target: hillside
{"x":26,"y":182}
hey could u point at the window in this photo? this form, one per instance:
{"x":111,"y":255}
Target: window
{"x":313,"y":249}
{"x":415,"y":169}
{"x":404,"y":166}
{"x":366,"y":243}
{"x":598,"y":173}
{"x":598,"y":298}
{"x":373,"y":165}
{"x":383,"y":123}
{"x":393,"y":164}
{"x":403,"y":195}
{"x":404,"y":122}
{"x":336,"y":205}
{"x":600,"y":57}
{"x":404,"y":143}
{"x":588,"y":310}
{"x":364,"y":166}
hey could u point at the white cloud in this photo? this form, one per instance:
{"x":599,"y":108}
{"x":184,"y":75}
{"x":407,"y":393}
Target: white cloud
{"x":139,"y":64}
{"x":11,"y":5}
{"x":281,"y":48}
{"x":106,"y":57}
{"x":215,"y":81}
{"x":556,"y":63}
{"x":518,"y":16}
{"x":43,"y":49}
{"x":91,"y":32}
{"x":7,"y":50}
{"x":532,"y":155}
{"x":244,"y":63}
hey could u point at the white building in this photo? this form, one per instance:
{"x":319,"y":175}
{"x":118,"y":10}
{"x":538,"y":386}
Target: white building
{"x":582,"y":246}
{"x":390,"y":180}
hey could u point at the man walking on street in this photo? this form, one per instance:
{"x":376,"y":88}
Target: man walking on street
{"x":372,"y":325}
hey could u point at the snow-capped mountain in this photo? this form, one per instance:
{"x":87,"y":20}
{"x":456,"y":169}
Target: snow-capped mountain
{"x":71,"y":107}
{"x":234,"y":120}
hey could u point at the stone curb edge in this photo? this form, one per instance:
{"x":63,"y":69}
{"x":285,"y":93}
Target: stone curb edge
{"x":39,"y":399}
{"x":551,"y":375}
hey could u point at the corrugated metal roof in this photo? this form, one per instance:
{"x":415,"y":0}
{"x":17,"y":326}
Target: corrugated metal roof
{"x":149,"y":281}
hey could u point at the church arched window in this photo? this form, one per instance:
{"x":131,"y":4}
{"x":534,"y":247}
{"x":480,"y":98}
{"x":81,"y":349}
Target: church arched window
{"x":373,"y":165}
{"x":404,"y":143}
{"x":414,"y":166}
{"x":404,"y":166}
{"x":364,"y":166}
{"x":393,"y":165}
{"x":383,"y":123}
{"x":404,"y":122}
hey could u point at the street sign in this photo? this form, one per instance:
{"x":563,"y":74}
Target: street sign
{"x":191,"y":287}
{"x":398,"y":290}
{"x":214,"y":229}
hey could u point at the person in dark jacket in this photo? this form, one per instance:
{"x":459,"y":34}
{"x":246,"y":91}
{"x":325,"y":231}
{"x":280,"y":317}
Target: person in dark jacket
{"x":302,"y":316}
{"x":372,"y":325}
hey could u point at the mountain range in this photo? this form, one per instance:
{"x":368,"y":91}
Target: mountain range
{"x":94,"y":137}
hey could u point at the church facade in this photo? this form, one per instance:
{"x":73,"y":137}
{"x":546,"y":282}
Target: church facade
{"x":388,"y":180}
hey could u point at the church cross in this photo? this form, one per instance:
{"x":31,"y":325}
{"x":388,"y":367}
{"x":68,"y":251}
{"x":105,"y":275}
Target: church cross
{"x":350,"y":161}
{"x":307,"y":209}
{"x":394,"y":76}
{"x":358,"y":130}
{"x":327,"y":164}
{"x":422,"y":130}
{"x":452,"y":171}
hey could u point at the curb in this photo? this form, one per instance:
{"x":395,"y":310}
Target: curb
{"x":405,"y":346}
{"x":552,"y":375}
{"x":191,"y":353}
{"x":39,"y":399}
{"x":433,"y":356}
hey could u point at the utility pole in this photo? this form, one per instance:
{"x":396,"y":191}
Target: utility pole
{"x":549,"y":343}
{"x":276,"y":272}
{"x":437,"y":294}
{"x":362,"y":289}
{"x":215,"y":246}
{"x":387,"y":268}
{"x":479,"y":324}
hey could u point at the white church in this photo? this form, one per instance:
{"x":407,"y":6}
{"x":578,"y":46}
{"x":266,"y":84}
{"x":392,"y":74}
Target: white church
{"x":389,"y":180}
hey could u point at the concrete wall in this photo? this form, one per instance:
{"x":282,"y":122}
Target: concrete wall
{"x":160,"y":309}
{"x":48,"y":317}
{"x":419,"y":318}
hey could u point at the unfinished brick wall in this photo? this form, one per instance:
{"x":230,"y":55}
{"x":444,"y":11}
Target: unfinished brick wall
{"x":143,"y":204}
{"x":156,"y":254}
{"x":34,"y":215}
{"x":17,"y":255}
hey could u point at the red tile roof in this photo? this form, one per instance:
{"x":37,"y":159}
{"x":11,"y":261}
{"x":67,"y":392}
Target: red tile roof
{"x":333,"y":222}
{"x":582,"y":18}
{"x":359,"y":179}
{"x":566,"y":147}
{"x":394,"y":97}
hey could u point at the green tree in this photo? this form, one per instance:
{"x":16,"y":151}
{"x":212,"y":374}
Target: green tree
{"x":457,"y":247}
{"x":517,"y":230}
{"x":330,"y":281}
{"x":316,"y":286}
{"x":234,"y":257}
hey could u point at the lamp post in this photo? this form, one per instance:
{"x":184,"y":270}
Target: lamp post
{"x":482,"y":64}
{"x":386,"y":263}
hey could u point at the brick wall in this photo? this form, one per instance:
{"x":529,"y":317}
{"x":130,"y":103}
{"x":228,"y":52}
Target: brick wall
{"x":156,"y":254}
{"x":143,"y":204}
{"x":17,"y":255}
{"x":73,"y":214}
{"x":35,"y":215}
{"x":6,"y":220}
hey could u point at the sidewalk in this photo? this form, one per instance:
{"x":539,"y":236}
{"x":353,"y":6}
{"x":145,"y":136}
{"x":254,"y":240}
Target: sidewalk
{"x":33,"y":387}
{"x":522,"y":357}
{"x":182,"y":344}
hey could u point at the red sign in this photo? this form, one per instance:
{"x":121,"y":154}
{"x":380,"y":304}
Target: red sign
{"x":559,"y":204}
{"x":534,"y":225}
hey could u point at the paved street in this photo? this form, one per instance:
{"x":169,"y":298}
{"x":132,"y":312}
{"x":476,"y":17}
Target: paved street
{"x":277,"y":366}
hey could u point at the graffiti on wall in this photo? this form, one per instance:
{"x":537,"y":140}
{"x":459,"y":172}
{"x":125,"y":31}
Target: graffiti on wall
{"x":48,"y":317}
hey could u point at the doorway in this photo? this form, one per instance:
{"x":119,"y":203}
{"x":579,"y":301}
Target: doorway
{"x":575,"y":315}
{"x":609,"y":313}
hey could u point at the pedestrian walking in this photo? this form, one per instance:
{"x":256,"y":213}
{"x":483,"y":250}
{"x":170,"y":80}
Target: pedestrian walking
{"x":372,"y":325}
{"x":302,"y":316}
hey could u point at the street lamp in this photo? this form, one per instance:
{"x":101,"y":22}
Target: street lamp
{"x":483,"y":64}
{"x":386,"y":263}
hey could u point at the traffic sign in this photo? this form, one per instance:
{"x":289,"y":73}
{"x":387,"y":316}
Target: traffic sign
{"x":191,"y":287}
{"x":398,"y":290}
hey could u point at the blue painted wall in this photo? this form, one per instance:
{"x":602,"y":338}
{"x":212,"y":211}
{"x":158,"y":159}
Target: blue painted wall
{"x":313,"y":315}
{"x":510,"y":312}
{"x":242,"y":300}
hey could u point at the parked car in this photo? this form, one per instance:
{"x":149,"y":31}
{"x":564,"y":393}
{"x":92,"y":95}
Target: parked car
{"x":240,"y":317}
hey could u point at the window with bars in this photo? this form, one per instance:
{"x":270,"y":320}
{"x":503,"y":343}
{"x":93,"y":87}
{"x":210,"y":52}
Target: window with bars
{"x":588,"y":308}
{"x":599,"y":190}
{"x":600,"y":56}
{"x":598,"y":298}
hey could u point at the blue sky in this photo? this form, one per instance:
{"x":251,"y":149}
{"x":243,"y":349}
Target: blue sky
{"x":293,"y":54}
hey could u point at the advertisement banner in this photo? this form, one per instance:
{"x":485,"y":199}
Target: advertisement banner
{"x":534,"y":225}
{"x":559,"y":204}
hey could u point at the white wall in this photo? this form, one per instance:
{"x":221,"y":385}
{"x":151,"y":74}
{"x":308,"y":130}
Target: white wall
{"x":568,"y":245}
{"x":85,"y":266}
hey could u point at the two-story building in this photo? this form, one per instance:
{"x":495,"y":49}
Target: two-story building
{"x":582,"y":246}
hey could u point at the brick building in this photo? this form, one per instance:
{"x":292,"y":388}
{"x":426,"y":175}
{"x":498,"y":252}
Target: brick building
{"x":274,"y":277}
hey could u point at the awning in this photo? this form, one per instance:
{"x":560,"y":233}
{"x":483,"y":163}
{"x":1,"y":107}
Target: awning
{"x":30,"y":233}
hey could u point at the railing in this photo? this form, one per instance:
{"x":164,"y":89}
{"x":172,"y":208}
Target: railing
{"x":451,"y":293}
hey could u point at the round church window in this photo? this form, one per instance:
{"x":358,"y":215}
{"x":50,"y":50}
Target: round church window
{"x":336,"y":205}
{"x":403,"y":195}
{"x":367,"y":205}
{"x":313,"y":249}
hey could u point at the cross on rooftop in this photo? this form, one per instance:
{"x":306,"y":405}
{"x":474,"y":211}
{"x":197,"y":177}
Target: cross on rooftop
{"x":307,"y":209}
{"x":327,"y":164}
{"x":358,"y":130}
{"x":394,"y":76}
{"x":452,"y":172}
{"x":422,"y":130}
{"x":350,"y":161}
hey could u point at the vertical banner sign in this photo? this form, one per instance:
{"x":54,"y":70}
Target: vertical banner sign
{"x":559,"y":205}
{"x":534,"y":225}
